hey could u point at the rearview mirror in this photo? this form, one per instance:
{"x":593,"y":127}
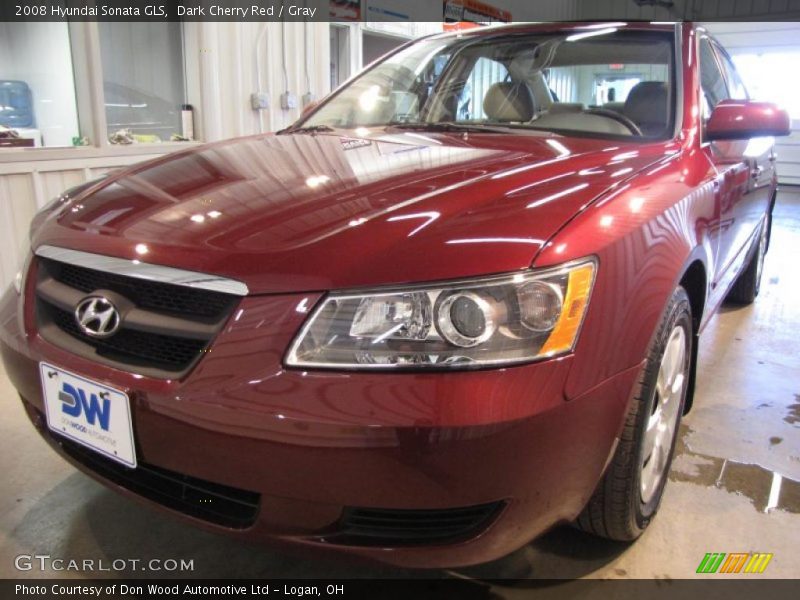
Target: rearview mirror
{"x":745,"y":119}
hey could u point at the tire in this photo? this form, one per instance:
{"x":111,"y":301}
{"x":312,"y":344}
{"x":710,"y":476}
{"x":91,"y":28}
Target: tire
{"x":748,"y":284}
{"x":628,"y":495}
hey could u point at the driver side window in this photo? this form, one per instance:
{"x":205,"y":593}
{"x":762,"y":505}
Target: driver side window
{"x":712,"y":82}
{"x":736,"y":89}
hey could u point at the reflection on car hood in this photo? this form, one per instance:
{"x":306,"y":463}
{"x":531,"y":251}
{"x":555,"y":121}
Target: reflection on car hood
{"x":315,"y":212}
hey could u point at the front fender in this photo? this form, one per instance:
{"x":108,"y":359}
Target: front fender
{"x":645,"y":235}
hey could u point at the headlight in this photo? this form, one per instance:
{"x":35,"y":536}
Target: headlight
{"x":492,"y":321}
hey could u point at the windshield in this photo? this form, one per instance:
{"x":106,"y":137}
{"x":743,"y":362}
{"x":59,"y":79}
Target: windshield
{"x":595,"y":82}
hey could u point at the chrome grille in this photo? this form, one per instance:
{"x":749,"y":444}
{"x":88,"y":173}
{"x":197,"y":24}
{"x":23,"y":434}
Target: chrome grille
{"x":148,"y":295}
{"x":132,"y":347}
{"x":165,"y":328}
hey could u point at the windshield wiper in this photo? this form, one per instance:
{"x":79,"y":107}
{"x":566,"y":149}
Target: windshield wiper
{"x":308,"y":129}
{"x":451,"y":126}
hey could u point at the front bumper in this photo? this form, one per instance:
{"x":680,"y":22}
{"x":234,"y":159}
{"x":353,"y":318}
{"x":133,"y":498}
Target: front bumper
{"x":315,"y":445}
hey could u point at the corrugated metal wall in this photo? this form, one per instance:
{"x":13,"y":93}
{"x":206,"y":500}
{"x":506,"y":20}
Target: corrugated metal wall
{"x":221,"y":65}
{"x":26,"y":187}
{"x":563,"y":81}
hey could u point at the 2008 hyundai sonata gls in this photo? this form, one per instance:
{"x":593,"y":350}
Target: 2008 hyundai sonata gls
{"x":454,"y":305}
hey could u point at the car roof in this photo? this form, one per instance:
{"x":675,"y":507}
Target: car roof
{"x":571,"y":26}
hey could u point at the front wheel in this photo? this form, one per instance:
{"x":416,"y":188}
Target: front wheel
{"x":628,"y":495}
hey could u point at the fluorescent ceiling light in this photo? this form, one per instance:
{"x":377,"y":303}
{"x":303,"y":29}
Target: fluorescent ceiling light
{"x":580,"y":36}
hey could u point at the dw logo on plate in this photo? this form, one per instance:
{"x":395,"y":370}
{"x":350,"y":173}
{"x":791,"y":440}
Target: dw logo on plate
{"x":95,"y":410}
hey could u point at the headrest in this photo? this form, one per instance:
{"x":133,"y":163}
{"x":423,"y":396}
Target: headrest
{"x":509,"y":101}
{"x":646,"y":105}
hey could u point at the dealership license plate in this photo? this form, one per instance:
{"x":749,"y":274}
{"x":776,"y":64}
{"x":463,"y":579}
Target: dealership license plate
{"x":91,"y":414}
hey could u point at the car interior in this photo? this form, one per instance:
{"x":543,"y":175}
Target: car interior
{"x":617,"y":84}
{"x":605,"y":87}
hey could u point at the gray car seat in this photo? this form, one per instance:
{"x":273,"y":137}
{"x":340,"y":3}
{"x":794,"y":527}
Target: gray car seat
{"x":646,"y":106}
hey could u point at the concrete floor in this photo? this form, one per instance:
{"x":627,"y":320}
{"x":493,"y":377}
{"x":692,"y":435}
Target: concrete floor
{"x":733,"y":485}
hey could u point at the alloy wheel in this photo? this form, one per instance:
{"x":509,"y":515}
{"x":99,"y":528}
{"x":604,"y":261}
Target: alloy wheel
{"x":660,"y":430}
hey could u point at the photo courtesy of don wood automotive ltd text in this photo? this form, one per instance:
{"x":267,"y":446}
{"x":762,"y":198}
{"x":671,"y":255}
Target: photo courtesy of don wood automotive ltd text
{"x":399,"y":299}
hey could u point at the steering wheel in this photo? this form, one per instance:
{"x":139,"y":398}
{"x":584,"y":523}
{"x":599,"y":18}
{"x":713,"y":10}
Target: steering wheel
{"x":618,"y":117}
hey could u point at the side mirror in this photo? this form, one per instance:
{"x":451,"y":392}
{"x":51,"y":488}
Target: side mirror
{"x":745,"y":119}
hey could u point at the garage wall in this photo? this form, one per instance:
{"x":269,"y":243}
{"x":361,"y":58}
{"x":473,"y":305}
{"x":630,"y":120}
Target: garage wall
{"x":697,"y":10}
{"x":564,"y":10}
{"x":23,"y":190}
{"x":223,"y":62}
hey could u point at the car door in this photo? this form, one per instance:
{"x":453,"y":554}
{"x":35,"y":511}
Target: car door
{"x":740,"y":170}
{"x":759,"y":157}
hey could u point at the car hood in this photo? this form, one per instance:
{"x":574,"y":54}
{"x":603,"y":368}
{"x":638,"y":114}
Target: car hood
{"x":300,"y":212}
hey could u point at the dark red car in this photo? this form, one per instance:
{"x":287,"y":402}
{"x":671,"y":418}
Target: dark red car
{"x":456,"y":304}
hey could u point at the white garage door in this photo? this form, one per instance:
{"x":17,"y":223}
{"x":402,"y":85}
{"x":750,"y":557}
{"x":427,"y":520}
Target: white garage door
{"x":768,"y":56}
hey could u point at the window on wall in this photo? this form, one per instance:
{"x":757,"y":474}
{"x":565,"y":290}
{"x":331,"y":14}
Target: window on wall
{"x":37,"y":87}
{"x":340,"y":55}
{"x":48,"y":79}
{"x":143,"y":81}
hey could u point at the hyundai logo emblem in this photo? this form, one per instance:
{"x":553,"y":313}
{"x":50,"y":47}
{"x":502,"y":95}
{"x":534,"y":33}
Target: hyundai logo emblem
{"x":97,"y":316}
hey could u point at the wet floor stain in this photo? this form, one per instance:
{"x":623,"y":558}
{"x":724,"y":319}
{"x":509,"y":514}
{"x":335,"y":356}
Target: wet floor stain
{"x":775,"y":440}
{"x":793,"y":418}
{"x":765,"y":489}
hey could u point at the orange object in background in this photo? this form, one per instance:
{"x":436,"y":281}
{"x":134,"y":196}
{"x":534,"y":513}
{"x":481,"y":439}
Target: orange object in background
{"x":468,"y":14}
